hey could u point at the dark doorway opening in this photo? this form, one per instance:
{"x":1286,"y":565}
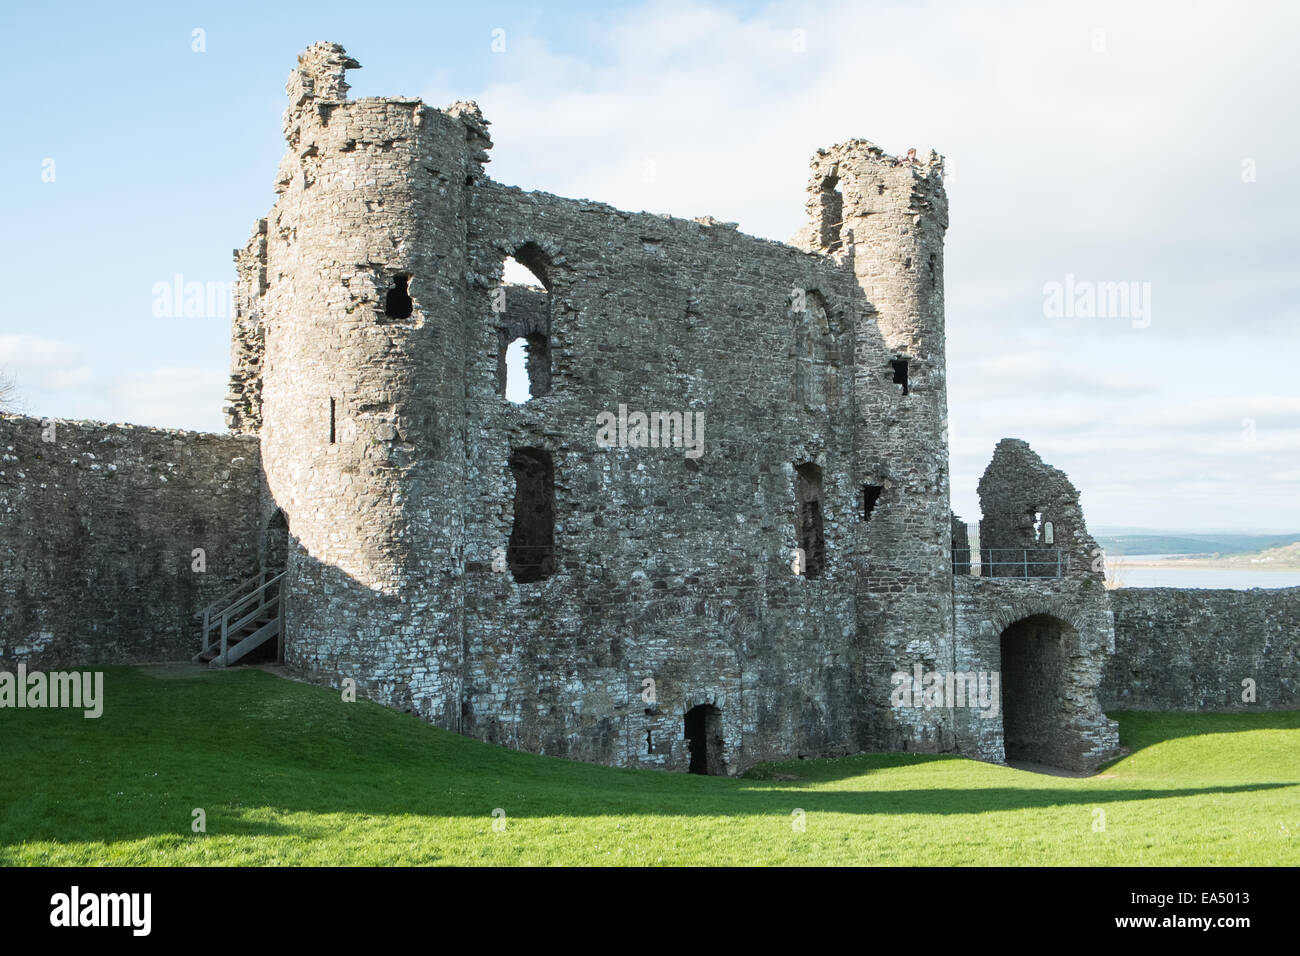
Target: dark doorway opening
{"x":704,"y":738}
{"x":275,"y":561}
{"x":531,"y":555}
{"x":1035,"y":714}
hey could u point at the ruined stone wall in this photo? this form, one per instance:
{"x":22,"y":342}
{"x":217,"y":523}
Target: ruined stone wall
{"x":396,"y":457}
{"x":1190,"y":649}
{"x":1030,"y":511}
{"x":98,"y":524}
{"x":961,"y":556}
{"x":670,"y":567}
{"x":247,"y":340}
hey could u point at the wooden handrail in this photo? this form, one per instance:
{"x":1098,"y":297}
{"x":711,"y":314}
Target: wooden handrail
{"x":237,"y":606}
{"x":229,"y":594}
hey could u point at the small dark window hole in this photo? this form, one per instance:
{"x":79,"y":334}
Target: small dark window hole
{"x":398,"y":303}
{"x":870,"y":495}
{"x":900,"y":373}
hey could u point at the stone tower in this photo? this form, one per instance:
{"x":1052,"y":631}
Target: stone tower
{"x":356,"y":330}
{"x":885,"y":218}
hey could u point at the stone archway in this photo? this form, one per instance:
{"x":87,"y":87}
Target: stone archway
{"x":1037,"y":722}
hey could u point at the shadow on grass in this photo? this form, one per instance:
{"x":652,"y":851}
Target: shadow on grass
{"x":248,"y":748}
{"x":226,"y":821}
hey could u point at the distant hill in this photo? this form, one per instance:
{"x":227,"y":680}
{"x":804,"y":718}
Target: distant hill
{"x":1160,"y":542}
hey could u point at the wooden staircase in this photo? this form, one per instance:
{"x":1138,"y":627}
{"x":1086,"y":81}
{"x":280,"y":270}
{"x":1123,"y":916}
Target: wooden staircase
{"x":241,"y":620}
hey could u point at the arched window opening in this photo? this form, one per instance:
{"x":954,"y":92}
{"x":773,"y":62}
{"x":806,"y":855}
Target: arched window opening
{"x":522,"y":304}
{"x":517,"y":389}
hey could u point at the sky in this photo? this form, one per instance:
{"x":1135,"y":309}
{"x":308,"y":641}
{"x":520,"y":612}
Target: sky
{"x":1088,"y":145}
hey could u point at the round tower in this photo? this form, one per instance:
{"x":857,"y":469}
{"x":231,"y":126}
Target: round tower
{"x":362,"y":384}
{"x":885,"y":217}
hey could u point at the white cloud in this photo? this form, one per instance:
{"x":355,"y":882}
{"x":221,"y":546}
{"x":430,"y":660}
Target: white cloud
{"x":169,"y":397}
{"x":40,"y":364}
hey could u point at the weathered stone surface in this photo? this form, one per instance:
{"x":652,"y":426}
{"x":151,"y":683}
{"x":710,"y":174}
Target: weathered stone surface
{"x":1191,"y":649}
{"x":668,"y":568}
{"x":1031,"y":510}
{"x":98,"y":525}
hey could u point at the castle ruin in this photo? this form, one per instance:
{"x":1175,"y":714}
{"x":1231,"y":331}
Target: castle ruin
{"x":716,"y":534}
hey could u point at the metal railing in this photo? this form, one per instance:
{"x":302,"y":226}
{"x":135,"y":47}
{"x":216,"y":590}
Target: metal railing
{"x":1012,"y":562}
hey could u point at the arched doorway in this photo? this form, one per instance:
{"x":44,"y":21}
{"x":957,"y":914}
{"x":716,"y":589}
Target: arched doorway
{"x":704,"y":738}
{"x":1036,"y":725}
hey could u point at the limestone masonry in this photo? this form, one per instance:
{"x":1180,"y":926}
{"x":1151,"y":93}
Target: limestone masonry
{"x":718,"y":532}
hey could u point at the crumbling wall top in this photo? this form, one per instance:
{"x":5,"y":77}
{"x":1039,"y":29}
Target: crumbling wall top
{"x":320,"y":73}
{"x":849,"y":181}
{"x":1029,"y":506}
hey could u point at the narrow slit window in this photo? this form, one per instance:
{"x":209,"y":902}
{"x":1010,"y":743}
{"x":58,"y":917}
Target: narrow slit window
{"x":531,"y":555}
{"x":331,"y":421}
{"x":809,"y":519}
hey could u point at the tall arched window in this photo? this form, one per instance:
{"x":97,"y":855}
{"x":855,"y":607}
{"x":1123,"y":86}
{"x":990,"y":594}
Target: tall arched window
{"x":532,"y":539}
{"x":813,"y":381}
{"x":809,"y":518}
{"x":523,"y":307}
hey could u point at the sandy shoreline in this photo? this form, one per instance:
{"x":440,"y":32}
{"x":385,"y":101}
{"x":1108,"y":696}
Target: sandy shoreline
{"x":1119,"y":563}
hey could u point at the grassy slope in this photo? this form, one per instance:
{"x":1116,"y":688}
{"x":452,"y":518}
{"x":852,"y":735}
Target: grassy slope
{"x":289,"y":774}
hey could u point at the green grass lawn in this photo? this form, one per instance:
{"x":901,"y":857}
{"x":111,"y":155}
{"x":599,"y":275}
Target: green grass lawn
{"x":290,"y":774}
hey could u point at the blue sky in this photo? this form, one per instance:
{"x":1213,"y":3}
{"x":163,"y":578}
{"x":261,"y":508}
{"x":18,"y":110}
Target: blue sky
{"x":1155,"y":145}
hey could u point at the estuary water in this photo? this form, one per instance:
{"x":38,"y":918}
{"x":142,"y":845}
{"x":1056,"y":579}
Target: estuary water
{"x":1174,"y":576}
